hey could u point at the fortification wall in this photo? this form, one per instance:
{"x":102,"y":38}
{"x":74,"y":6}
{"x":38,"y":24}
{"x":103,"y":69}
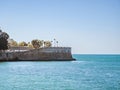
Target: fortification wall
{"x":56,"y":49}
{"x":20,"y":48}
{"x":51,"y":53}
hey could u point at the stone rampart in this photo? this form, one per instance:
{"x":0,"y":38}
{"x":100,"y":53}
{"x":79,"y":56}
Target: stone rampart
{"x":42,"y":54}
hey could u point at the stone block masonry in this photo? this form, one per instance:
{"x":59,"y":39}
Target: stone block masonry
{"x":42,"y":54}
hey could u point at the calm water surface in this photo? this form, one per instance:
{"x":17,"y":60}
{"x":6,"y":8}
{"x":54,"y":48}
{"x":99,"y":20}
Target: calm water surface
{"x":89,"y":72}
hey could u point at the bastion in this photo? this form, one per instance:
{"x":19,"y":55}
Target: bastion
{"x":41,"y":54}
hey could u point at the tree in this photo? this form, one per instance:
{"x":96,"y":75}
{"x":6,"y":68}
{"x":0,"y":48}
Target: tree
{"x":3,"y":40}
{"x":22,"y":43}
{"x":12,"y":42}
{"x":47,"y":44}
{"x":3,"y":44}
{"x":4,"y":35}
{"x":36,"y":43}
{"x":30,"y":45}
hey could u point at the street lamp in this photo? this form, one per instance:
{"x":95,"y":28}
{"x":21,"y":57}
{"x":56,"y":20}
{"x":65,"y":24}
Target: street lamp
{"x":54,"y":42}
{"x":57,"y":43}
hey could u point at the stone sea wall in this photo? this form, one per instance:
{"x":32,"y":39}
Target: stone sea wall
{"x":42,"y":54}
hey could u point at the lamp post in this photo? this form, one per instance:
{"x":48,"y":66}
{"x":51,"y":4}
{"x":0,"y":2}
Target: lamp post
{"x":57,"y":43}
{"x":51,"y":42}
{"x":54,"y":42}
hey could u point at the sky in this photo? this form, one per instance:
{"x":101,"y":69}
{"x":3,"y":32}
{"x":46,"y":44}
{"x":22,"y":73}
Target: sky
{"x":88,"y":26}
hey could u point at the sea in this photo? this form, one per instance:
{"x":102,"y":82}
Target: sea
{"x":88,"y":72}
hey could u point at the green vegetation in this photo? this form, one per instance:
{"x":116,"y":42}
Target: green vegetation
{"x":6,"y":43}
{"x":23,"y":43}
{"x":12,"y":42}
{"x":3,"y":40}
{"x":47,"y":44}
{"x":37,"y":43}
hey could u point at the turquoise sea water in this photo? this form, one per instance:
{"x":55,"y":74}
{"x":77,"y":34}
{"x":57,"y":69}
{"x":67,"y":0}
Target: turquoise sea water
{"x":89,"y":72}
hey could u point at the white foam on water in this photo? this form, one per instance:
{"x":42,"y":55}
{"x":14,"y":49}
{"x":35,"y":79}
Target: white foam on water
{"x":77,"y":61}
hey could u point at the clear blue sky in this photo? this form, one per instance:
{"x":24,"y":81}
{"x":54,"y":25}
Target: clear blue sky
{"x":88,"y":26}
